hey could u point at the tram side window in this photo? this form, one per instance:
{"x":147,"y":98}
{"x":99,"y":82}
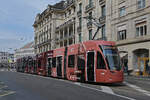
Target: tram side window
{"x":81,"y":62}
{"x":49,"y":62}
{"x":34,"y":64}
{"x":71,"y":61}
{"x":54,"y":62}
{"x":39,"y":63}
{"x":100,"y":61}
{"x":30,"y":63}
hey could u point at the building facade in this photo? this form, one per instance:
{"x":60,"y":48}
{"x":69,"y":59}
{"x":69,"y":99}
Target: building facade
{"x":45,"y":26}
{"x":127,"y":22}
{"x":63,"y":24}
{"x":4,"y":59}
{"x":130,"y":27}
{"x":25,"y":51}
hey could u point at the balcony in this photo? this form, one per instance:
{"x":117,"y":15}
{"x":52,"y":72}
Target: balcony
{"x":66,"y":37}
{"x":101,"y":2}
{"x":89,"y":24}
{"x":103,"y":38}
{"x":79,"y":29}
{"x":79,"y":13}
{"x":89,"y":7}
{"x":102,"y":19}
{"x":71,"y":21}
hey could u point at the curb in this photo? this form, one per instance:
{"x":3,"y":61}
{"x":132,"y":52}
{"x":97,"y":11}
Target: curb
{"x":137,"y":77}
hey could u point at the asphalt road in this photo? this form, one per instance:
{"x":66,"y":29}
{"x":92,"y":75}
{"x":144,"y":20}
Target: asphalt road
{"x":20,"y":86}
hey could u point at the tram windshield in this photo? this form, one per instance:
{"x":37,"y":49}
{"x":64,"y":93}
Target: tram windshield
{"x":112,"y":57}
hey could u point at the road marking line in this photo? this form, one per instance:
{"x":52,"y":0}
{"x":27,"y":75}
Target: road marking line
{"x":3,"y":87}
{"x":77,"y":83}
{"x":138,"y":88}
{"x":9,"y":92}
{"x":107,"y":89}
{"x":125,"y":97}
{"x":1,"y":82}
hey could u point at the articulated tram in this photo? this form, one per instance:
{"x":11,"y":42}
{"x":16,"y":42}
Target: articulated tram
{"x":91,"y":61}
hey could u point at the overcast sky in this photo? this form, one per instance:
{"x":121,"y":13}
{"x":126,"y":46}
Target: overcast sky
{"x":16,"y":20}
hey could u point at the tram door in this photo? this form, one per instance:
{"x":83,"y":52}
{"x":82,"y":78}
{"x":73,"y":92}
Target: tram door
{"x":81,"y":67}
{"x":49,"y":66}
{"x":90,"y":66}
{"x":59,"y":66}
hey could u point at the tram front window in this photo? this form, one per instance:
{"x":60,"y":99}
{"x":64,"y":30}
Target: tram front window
{"x":112,"y":57}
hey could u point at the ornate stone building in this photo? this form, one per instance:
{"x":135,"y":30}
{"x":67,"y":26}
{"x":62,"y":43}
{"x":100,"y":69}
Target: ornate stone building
{"x":25,"y":51}
{"x":63,"y":24}
{"x":4,"y":59}
{"x":129,"y":24}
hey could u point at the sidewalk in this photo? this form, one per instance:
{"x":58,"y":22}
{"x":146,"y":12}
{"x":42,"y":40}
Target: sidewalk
{"x":136,"y":77}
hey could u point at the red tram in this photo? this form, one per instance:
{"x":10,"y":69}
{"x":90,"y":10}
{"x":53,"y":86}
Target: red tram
{"x":91,"y":61}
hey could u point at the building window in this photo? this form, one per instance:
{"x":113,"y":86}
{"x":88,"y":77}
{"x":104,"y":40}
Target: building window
{"x":70,"y":41}
{"x":122,"y":35}
{"x":61,"y":34}
{"x":74,"y":9}
{"x":90,"y":16}
{"x":80,"y":7}
{"x":65,"y":43}
{"x":80,"y":38}
{"x":90,"y":34}
{"x":69,"y":12}
{"x":90,"y":2}
{"x":80,"y":22}
{"x":103,"y":31}
{"x":122,"y":11}
{"x":141,"y":30}
{"x":65,"y":15}
{"x":103,"y":10}
{"x":141,"y":4}
{"x":61,"y":44}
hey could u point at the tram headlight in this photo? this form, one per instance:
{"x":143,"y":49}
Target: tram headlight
{"x":102,"y":73}
{"x":110,"y":79}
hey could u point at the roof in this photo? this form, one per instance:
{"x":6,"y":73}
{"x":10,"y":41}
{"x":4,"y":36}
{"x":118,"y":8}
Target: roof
{"x":29,"y":45}
{"x":59,"y":5}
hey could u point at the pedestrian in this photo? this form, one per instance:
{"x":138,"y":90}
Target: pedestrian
{"x":126,"y":66}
